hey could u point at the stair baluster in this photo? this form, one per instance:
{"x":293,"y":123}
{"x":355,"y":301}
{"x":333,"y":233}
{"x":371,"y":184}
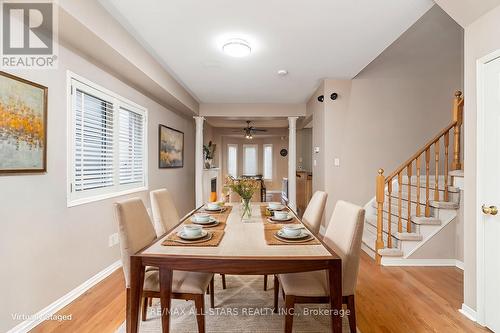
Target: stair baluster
{"x":446,"y":144}
{"x":427,"y":170}
{"x":458,"y":110}
{"x":380,"y":185}
{"x":400,"y":203}
{"x":418,"y":213}
{"x":436,"y":173}
{"x":389,"y":214}
{"x":408,"y":173}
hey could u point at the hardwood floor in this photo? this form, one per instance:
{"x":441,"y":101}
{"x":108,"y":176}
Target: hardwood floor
{"x":388,"y":299}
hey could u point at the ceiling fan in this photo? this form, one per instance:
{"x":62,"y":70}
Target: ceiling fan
{"x":250,"y":130}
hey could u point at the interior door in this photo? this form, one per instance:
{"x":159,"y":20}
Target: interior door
{"x":490,"y":185}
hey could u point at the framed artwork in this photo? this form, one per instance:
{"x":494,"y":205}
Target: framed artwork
{"x":171,"y":148}
{"x":23,"y":125}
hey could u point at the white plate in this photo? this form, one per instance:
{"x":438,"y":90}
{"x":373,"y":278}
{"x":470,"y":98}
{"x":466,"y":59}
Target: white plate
{"x":277,"y":208}
{"x":289,"y":218}
{"x":302,"y":235}
{"x":211,"y":220}
{"x":214,"y":210}
{"x":182,"y":235}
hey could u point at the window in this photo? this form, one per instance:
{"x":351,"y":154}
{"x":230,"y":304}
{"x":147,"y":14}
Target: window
{"x":249,"y":160}
{"x":107,"y":142}
{"x":268,"y":162}
{"x":232,"y":160}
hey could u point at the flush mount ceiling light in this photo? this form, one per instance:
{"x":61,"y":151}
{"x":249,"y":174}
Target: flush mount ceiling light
{"x":237,"y":48}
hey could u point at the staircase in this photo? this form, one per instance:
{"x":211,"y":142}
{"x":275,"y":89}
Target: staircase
{"x":419,"y":198}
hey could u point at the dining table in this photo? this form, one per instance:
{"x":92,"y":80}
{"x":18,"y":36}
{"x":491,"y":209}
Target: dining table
{"x":243,"y":250}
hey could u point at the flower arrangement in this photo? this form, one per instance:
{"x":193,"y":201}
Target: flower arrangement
{"x":245,"y":188}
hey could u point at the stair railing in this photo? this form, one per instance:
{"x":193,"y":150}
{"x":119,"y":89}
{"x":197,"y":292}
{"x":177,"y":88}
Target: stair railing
{"x":423,"y":155}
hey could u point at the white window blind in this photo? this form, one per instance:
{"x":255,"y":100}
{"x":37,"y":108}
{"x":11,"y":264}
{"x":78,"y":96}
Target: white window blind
{"x":249,"y":160}
{"x":131,"y":147}
{"x":108,"y":144}
{"x":93,"y":154}
{"x":232,"y":160}
{"x":268,"y":162}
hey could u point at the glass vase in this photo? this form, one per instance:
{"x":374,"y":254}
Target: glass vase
{"x":246,"y":209}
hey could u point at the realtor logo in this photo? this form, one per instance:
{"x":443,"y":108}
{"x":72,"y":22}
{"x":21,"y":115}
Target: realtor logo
{"x":28,"y":35}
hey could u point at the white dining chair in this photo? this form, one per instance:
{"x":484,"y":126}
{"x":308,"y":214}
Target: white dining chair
{"x":165,"y":215}
{"x":343,"y":235}
{"x":136,"y":231}
{"x":314,"y":212}
{"x":312,"y":216}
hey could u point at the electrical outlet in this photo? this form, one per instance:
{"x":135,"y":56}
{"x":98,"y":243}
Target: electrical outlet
{"x":113,"y":239}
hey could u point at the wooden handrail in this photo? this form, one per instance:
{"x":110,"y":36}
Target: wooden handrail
{"x":422,"y":150}
{"x":407,"y":168}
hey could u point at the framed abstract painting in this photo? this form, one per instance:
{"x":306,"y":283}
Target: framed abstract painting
{"x":23,"y":125}
{"x":171,"y":148}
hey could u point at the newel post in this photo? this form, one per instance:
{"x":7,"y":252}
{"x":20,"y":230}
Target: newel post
{"x":458,"y":109}
{"x":380,"y":183}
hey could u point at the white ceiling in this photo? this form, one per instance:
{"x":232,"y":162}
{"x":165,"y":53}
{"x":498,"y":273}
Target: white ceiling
{"x":312,"y":39}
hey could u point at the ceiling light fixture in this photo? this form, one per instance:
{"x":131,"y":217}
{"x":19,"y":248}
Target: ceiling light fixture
{"x":282,"y":72}
{"x":237,"y":48}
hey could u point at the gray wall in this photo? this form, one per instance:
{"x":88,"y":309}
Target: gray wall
{"x":48,"y":249}
{"x":389,"y":110}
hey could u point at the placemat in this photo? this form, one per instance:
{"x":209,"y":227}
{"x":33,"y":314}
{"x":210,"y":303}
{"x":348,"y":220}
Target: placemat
{"x":220,"y":226}
{"x":174,"y":240}
{"x":222,"y":216}
{"x":272,"y":240}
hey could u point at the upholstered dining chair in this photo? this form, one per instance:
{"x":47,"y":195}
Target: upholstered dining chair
{"x":312,"y":216}
{"x":165,"y":215}
{"x":314,"y":211}
{"x":343,"y":235}
{"x":136,"y":231}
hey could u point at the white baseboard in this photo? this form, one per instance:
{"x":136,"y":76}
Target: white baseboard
{"x":51,"y":309}
{"x":388,"y":261}
{"x":460,"y":264}
{"x":468,"y":312}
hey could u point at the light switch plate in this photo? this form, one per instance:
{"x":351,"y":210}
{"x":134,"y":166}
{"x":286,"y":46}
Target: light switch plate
{"x":336,"y":162}
{"x":113,"y":239}
{"x":315,"y":163}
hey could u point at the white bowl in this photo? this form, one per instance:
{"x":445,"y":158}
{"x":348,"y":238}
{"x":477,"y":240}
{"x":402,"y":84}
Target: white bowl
{"x":278,"y":215}
{"x":201,"y":217}
{"x":292,"y":230}
{"x":191,"y":230}
{"x":213,"y":205}
{"x":274,"y":205}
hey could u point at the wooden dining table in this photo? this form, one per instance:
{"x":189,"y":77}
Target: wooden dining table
{"x":242,"y":251}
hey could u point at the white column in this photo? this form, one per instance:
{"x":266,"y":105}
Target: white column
{"x":198,"y":161}
{"x":292,"y":167}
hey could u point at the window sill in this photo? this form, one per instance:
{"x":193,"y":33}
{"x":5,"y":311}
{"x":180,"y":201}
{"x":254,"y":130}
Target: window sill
{"x":104,"y":196}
